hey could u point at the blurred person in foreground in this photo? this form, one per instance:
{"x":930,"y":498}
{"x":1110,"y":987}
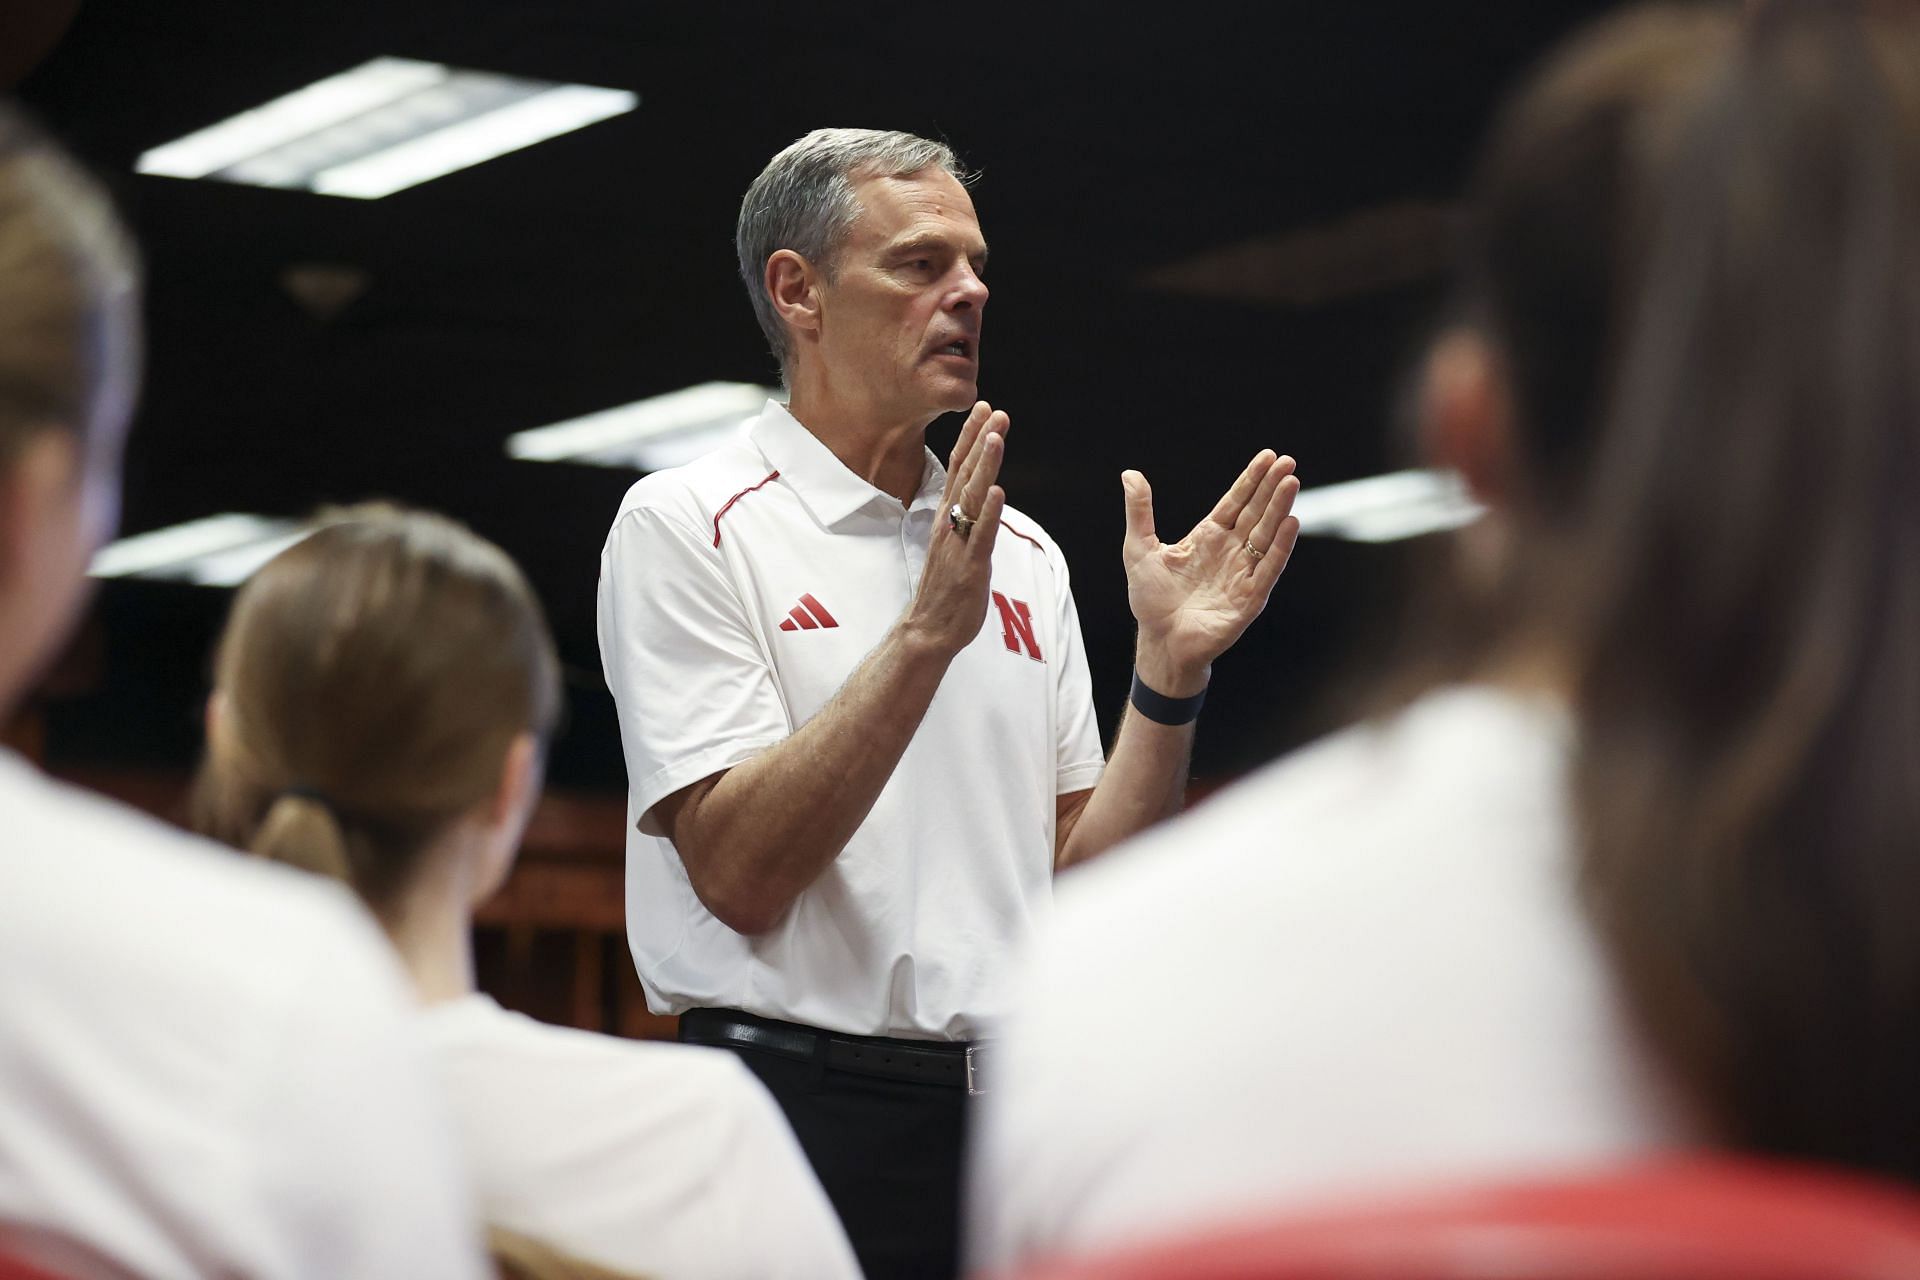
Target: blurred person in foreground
{"x":383,"y":694}
{"x":853,"y":697}
{"x":207,"y":1067}
{"x":1637,"y":870}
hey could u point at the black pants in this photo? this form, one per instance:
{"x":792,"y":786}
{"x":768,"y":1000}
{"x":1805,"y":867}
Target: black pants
{"x":888,"y":1153}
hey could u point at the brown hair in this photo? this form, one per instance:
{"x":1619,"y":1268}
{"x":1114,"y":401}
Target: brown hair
{"x":1695,"y":239}
{"x":70,"y":329}
{"x":372,"y":677}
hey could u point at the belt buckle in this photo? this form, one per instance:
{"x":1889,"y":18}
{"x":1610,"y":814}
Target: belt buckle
{"x":976,"y":1070}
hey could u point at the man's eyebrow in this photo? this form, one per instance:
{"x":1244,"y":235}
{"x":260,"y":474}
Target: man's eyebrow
{"x":926,"y":243}
{"x":921,"y":244}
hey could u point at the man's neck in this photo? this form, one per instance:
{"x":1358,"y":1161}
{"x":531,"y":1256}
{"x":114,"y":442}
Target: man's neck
{"x":888,"y":454}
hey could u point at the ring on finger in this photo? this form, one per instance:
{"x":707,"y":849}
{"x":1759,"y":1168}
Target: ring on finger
{"x":959,"y":521}
{"x":1254,"y":551}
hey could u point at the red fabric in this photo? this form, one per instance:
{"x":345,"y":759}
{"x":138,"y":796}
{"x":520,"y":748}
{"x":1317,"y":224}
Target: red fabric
{"x":1707,"y":1219}
{"x":14,"y":1269}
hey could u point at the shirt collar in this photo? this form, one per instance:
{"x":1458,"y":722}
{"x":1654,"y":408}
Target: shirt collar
{"x":823,"y":482}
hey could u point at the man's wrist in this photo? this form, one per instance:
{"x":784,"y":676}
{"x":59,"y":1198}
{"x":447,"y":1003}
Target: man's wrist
{"x":1161,"y":709}
{"x":920,"y":645}
{"x":1167,"y":675}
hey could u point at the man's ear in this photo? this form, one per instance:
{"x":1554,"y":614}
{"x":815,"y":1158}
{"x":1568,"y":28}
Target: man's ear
{"x":1466,"y":416}
{"x":793,"y":285}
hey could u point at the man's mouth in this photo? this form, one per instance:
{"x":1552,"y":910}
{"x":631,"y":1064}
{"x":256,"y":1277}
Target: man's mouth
{"x":961,"y":347}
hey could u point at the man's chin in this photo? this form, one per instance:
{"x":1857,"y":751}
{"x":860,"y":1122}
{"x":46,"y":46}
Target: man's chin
{"x":959,"y":395}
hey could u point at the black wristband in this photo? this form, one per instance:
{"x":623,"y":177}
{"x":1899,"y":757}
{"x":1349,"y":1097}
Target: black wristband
{"x":1161,"y":709}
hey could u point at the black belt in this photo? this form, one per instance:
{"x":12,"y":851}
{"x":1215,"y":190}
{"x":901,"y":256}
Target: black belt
{"x":954,"y":1064}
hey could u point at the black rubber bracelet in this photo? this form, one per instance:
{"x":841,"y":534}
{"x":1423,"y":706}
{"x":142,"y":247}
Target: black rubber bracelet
{"x":1161,"y":709}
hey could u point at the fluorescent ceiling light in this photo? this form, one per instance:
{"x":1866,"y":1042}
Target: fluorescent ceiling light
{"x":652,"y":434}
{"x":301,"y":114}
{"x":1402,"y":504}
{"x":388,"y":124}
{"x":460,"y":146}
{"x":216,"y":551}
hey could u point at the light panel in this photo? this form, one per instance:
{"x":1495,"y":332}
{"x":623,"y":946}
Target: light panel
{"x":1386,"y":508}
{"x":473,"y":141}
{"x":384,"y":126}
{"x":649,"y":435}
{"x":214,"y":551}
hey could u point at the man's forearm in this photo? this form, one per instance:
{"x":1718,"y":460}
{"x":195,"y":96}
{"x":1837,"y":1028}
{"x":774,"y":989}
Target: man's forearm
{"x":1146,"y":775}
{"x":755,"y":839}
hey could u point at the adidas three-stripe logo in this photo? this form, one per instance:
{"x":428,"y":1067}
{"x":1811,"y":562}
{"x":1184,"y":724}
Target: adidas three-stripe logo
{"x":808,"y":615}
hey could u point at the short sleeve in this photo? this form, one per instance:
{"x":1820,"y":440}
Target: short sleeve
{"x":358,"y":1171}
{"x":693,"y":686}
{"x":1078,"y":758}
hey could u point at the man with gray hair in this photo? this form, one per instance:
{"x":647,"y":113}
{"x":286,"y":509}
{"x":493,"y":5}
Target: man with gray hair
{"x":853,"y":698}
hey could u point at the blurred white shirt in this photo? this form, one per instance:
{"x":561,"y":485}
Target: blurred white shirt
{"x":659,"y":1159}
{"x":1364,"y":968}
{"x":208,"y":1065}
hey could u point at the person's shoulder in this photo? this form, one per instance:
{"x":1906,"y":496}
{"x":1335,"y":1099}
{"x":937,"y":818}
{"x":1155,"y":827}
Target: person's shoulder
{"x":696,"y":492}
{"x":1369,"y":793}
{"x":103,"y":860}
{"x":476,"y":1037}
{"x":1024,"y":527}
{"x":149,"y":935}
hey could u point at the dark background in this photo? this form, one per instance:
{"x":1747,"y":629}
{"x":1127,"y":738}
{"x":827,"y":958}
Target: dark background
{"x":1214,"y":227}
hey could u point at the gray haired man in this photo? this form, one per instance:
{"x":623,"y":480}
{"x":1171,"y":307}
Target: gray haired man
{"x":853,"y":697}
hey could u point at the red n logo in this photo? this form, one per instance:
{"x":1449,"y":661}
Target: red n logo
{"x":1016,"y":622}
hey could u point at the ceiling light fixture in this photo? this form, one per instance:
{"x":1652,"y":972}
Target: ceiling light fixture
{"x":662,"y":431}
{"x":214,"y":551}
{"x":1386,"y":508}
{"x":384,"y":126}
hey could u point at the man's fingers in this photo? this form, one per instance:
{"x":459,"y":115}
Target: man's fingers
{"x":987,"y":525}
{"x":984,"y":471}
{"x":963,"y":447}
{"x":1235,"y":499}
{"x":970,"y":491}
{"x":1139,"y":506}
{"x":1267,"y":571}
{"x":1256,"y":508}
{"x":1278,"y":505}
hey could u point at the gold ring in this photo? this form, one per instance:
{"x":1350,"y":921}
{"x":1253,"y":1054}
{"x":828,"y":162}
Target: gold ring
{"x":1254,"y":551}
{"x":959,"y":521}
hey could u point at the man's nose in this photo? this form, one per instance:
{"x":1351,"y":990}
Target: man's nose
{"x":969,"y":292}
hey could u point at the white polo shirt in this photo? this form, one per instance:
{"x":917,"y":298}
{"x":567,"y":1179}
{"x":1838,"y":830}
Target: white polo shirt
{"x":737,"y":594}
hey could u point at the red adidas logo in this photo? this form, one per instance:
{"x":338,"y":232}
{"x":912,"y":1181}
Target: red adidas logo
{"x":808,"y":615}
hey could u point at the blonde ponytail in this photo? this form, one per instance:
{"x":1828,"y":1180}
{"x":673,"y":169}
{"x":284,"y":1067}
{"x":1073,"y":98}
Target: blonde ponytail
{"x":301,"y":830}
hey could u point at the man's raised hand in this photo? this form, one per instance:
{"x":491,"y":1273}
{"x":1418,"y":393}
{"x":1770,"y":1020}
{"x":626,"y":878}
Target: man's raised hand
{"x":1195,"y":597}
{"x":951,"y":604}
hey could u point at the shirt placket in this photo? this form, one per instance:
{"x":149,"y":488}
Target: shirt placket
{"x":916,"y":529}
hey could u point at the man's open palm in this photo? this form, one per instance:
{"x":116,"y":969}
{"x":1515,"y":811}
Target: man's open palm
{"x":1198,"y":595}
